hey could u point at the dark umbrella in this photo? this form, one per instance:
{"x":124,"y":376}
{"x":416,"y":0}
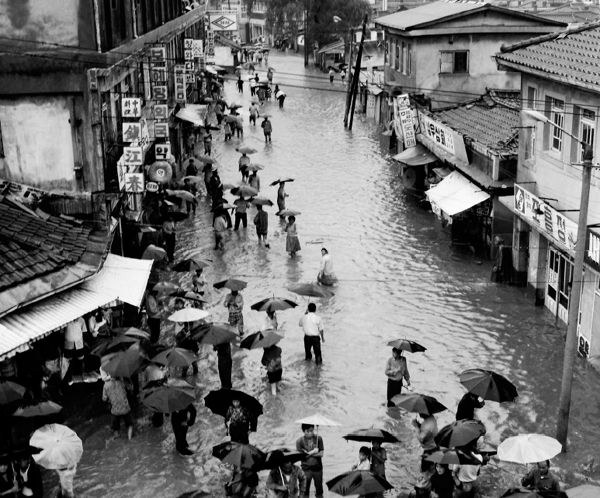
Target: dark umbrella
{"x":190,"y":265}
{"x":230,"y":118}
{"x":289,"y":212}
{"x":10,"y":391}
{"x":119,"y":342}
{"x":170,"y":397}
{"x":454,"y":457}
{"x":195,"y":494}
{"x":232,"y":284}
{"x":274,"y":304}
{"x":261,"y":339}
{"x":459,"y":433}
{"x":244,"y":456}
{"x":244,"y":191}
{"x":358,"y":482}
{"x":372,"y":434}
{"x":194,"y":296}
{"x":215,"y":333}
{"x":488,"y":385}
{"x":418,"y":403}
{"x":244,"y":149}
{"x":276,"y":458}
{"x":125,"y":363}
{"x":584,"y":491}
{"x":261,"y":201}
{"x":178,"y":216}
{"x":534,"y":493}
{"x":219,"y":401}
{"x":175,"y":357}
{"x":19,"y":451}
{"x":132,"y":332}
{"x":406,"y":345}
{"x":41,"y":409}
{"x":282,"y":180}
{"x":310,"y":290}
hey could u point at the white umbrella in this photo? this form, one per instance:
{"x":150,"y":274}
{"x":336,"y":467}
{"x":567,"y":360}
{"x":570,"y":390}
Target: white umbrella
{"x":188,"y":315}
{"x":318,"y":419}
{"x":528,"y":448}
{"x":61,"y":446}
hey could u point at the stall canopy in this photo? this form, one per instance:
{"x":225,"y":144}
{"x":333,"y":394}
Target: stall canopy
{"x":193,"y":113}
{"x":122,"y":279}
{"x":455,"y":194}
{"x":415,"y":156}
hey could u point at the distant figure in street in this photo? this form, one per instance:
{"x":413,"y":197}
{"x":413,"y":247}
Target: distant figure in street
{"x":331,"y":75}
{"x":169,"y":237}
{"x":234,"y":302}
{"x":343,"y":76}
{"x":208,"y":173}
{"x":261,"y":91}
{"x":326,"y":275}
{"x":267,"y":128}
{"x":272,"y":360}
{"x":502,"y":269}
{"x":254,"y":181}
{"x":252,"y":86}
{"x":378,"y":458}
{"x":312,"y":325}
{"x":261,"y":220}
{"x":254,"y":113}
{"x":271,"y":322}
{"x":207,"y":139}
{"x":192,"y":169}
{"x":219,"y":227}
{"x":396,"y":369}
{"x":243,"y":163}
{"x":219,"y":112}
{"x":241,"y":212}
{"x":270,"y":76}
{"x":427,"y":430}
{"x":153,"y":315}
{"x":227,"y":130}
{"x":287,"y":481}
{"x":239,"y":127}
{"x":199,"y":281}
{"x":280,"y":96}
{"x":281,"y":195}
{"x":240,"y":84}
{"x":181,"y":421}
{"x":467,"y":406}
{"x":292,"y":244}
{"x":363,"y":463}
{"x":115,"y":392}
{"x":312,"y":465}
{"x":224,"y":364}
{"x":540,"y":478}
{"x":192,"y":189}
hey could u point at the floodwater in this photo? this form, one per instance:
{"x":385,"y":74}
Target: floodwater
{"x":399,"y":277}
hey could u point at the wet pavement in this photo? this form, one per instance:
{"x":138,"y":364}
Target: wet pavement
{"x":398,"y":278}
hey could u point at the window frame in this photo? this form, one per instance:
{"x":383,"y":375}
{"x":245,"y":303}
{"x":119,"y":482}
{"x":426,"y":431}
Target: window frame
{"x":453,"y":53}
{"x":557,"y":120}
{"x":590,"y":124}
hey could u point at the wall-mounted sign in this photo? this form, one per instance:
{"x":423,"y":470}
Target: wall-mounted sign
{"x":161,"y":112}
{"x":592,"y":249}
{"x":403,"y":120}
{"x":132,"y":132}
{"x":180,"y":84}
{"x":134,"y":182}
{"x":162,"y":151}
{"x":161,"y":129}
{"x":159,"y":93}
{"x":122,"y":168}
{"x":132,"y":156}
{"x":131,"y":108}
{"x":222,"y":22}
{"x":151,"y":187}
{"x":437,"y":132}
{"x":197,"y":48}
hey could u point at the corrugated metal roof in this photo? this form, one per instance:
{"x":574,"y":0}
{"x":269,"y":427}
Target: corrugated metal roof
{"x":330,"y":47}
{"x":427,"y":13}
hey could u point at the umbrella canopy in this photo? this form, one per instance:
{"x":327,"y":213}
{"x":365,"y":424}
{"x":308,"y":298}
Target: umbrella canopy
{"x":190,"y":265}
{"x":459,"y":433}
{"x":584,"y":491}
{"x":195,"y":494}
{"x":61,"y":447}
{"x":274,"y":304}
{"x":255,"y":167}
{"x":289,"y":212}
{"x":236,"y":104}
{"x":230,"y":118}
{"x":244,"y":191}
{"x":406,"y":345}
{"x":188,"y":315}
{"x":282,"y":180}
{"x":418,"y":403}
{"x":318,"y":419}
{"x":310,"y":290}
{"x":276,"y":458}
{"x":175,"y":357}
{"x":358,"y":482}
{"x":215,"y":333}
{"x":206,"y":159}
{"x":488,"y":385}
{"x":232,"y":284}
{"x":372,"y":434}
{"x":154,"y":253}
{"x":261,"y":339}
{"x":243,"y":456}
{"x":533,"y":493}
{"x":454,"y":456}
{"x":38,"y":410}
{"x":119,"y":342}
{"x":219,"y":401}
{"x":10,"y":391}
{"x":193,"y":179}
{"x":132,"y":332}
{"x":166,"y":288}
{"x":178,"y":216}
{"x":265,"y":116}
{"x":528,"y":448}
{"x":194,"y":296}
{"x":261,"y":201}
{"x":244,"y":149}
{"x":272,"y":69}
{"x":181,"y":194}
{"x":125,"y":363}
{"x":170,"y":397}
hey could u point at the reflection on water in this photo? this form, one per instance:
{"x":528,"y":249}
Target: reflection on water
{"x":398,"y":278}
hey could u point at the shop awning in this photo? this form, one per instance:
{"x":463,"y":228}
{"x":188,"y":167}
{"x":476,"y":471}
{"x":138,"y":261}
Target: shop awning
{"x":193,"y":113}
{"x":226,"y":41}
{"x":375,"y":90}
{"x":415,"y":156}
{"x":455,"y":194}
{"x":122,"y":279}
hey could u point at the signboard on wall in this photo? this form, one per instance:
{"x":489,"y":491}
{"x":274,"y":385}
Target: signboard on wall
{"x":162,"y":151}
{"x":592,"y":249}
{"x":561,"y":230}
{"x":197,"y":48}
{"x":443,"y":136}
{"x":134,"y":182}
{"x":222,"y":22}
{"x":403,"y":120}
{"x":180,"y":83}
{"x":132,"y":132}
{"x":132,"y":156}
{"x":132,"y":107}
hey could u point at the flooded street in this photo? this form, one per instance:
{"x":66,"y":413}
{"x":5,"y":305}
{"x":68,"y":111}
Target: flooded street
{"x":398,"y":278}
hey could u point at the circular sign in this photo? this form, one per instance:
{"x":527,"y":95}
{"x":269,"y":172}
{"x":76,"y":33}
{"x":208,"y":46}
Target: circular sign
{"x":151,"y":187}
{"x":160,"y":172}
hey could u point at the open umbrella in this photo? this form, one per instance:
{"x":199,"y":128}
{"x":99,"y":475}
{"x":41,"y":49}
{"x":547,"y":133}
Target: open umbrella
{"x":534,"y":493}
{"x":274,"y":304}
{"x":318,"y":419}
{"x":166,"y":288}
{"x":244,"y":191}
{"x":372,"y":434}
{"x":125,"y":363}
{"x":206,"y":159}
{"x":289,"y":212}
{"x":459,"y":433}
{"x":10,"y":391}
{"x":261,"y":339}
{"x":61,"y":447}
{"x":132,"y":332}
{"x":119,"y":342}
{"x":454,"y":457}
{"x":264,"y":116}
{"x":230,"y":118}
{"x":261,"y":201}
{"x":190,"y":265}
{"x":310,"y":290}
{"x":222,"y":206}
{"x":528,"y":448}
{"x":195,"y":494}
{"x":244,"y":149}
{"x":219,"y":401}
{"x":406,"y":345}
{"x":172,"y":396}
{"x":41,"y":409}
{"x":282,"y":180}
{"x":154,"y":253}
{"x":193,"y":179}
{"x":236,"y":104}
{"x":418,"y":403}
{"x":188,"y":315}
{"x":178,"y":216}
{"x":358,"y":482}
{"x":272,"y":69}
{"x":488,"y":385}
{"x":276,"y":458}
{"x":232,"y":284}
{"x":584,"y":491}
{"x":181,"y":194}
{"x":255,"y":167}
{"x":215,"y":333}
{"x":194,"y":296}
{"x":243,"y":456}
{"x":175,"y":357}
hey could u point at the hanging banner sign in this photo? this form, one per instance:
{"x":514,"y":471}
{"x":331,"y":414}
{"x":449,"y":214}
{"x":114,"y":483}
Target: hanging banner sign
{"x":132,"y":107}
{"x":592,"y":249}
{"x":188,"y":45}
{"x":180,"y":85}
{"x":437,"y":132}
{"x":162,"y":151}
{"x":197,"y":48}
{"x":161,"y":130}
{"x":134,"y":182}
{"x":132,"y":132}
{"x":403,"y":120}
{"x":145,"y":135}
{"x":132,"y":156}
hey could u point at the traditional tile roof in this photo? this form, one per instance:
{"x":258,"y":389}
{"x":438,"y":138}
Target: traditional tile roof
{"x":570,"y":56}
{"x":491,"y":120}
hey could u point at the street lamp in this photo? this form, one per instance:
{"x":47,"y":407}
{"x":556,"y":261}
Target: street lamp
{"x":564,"y":406}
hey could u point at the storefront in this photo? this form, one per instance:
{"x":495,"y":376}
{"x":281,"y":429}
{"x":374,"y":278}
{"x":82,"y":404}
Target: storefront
{"x":588,"y":329}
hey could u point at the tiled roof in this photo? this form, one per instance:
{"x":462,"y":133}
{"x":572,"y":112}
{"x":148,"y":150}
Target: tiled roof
{"x":571,"y":55}
{"x":491,"y":121}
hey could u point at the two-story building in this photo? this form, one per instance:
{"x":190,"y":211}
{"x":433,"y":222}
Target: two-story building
{"x":559,"y":78}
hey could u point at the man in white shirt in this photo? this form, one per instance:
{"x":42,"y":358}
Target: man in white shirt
{"x":312,"y":325}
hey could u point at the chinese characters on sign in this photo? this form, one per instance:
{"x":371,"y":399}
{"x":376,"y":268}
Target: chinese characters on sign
{"x":132,"y":107}
{"x":132,"y":156}
{"x":162,"y":151}
{"x":134,"y":182}
{"x":437,"y":132}
{"x":132,"y":132}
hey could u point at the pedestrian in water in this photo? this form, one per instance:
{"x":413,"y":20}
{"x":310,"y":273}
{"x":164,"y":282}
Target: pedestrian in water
{"x":312,"y":325}
{"x":219,"y":227}
{"x":427,"y":430}
{"x":254,"y":113}
{"x":378,"y":458}
{"x":343,"y":76}
{"x":224,"y":364}
{"x":261,"y":220}
{"x":442,"y":482}
{"x":181,"y":421}
{"x":153,"y":314}
{"x":281,"y":195}
{"x":243,"y":483}
{"x":326,"y":275}
{"x":467,"y":406}
{"x":267,"y":128}
{"x":227,"y":130}
{"x":207,"y":139}
{"x":252,"y":87}
{"x":280,"y":96}
{"x":169,"y":237}
{"x":243,"y":164}
{"x":466,"y":478}
{"x":154,"y":375}
{"x":192,"y":169}
{"x":292,"y":244}
{"x":286,"y":481}
{"x":396,"y":369}
{"x":29,"y":478}
{"x":331,"y":75}
{"x":270,"y":76}
{"x":241,"y":212}
{"x":190,"y":187}
{"x":239,"y":127}
{"x":208,"y":173}
{"x":240,"y":84}
{"x":272,"y":360}
{"x":312,"y":465}
{"x":234,"y":302}
{"x":262,"y":94}
{"x":199,"y":281}
{"x":364,"y":456}
{"x":219,"y":112}
{"x":271,"y":322}
{"x":216,"y":187}
{"x":254,"y":181}
{"x":540,"y":478}
{"x":8,"y":481}
{"x":240,"y":422}
{"x":115,"y":392}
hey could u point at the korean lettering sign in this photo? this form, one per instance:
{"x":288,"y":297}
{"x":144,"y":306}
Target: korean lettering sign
{"x":437,"y":132}
{"x":592,"y":249}
{"x":132,"y":132}
{"x":403,"y":120}
{"x":188,"y":46}
{"x":180,"y":84}
{"x":197,"y":49}
{"x":161,"y":129}
{"x":162,"y":151}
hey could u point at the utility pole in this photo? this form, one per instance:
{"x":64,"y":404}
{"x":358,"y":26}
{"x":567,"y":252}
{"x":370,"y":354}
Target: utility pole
{"x":349,"y":91}
{"x":349,"y":117}
{"x":306,"y":33}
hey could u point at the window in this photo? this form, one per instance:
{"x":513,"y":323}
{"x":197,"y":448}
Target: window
{"x":405,"y":58}
{"x":529,"y":141}
{"x":531,"y":96}
{"x":454,"y":62}
{"x":386,"y":54}
{"x":557,"y":117}
{"x":587,"y":130}
{"x":397,"y":66}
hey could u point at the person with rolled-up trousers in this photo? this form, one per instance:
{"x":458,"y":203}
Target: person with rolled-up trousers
{"x":224,"y":364}
{"x":181,"y":421}
{"x":314,"y":333}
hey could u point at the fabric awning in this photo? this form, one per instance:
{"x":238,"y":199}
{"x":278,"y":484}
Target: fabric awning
{"x":374,"y":90}
{"x":415,"y":156}
{"x":226,"y":41}
{"x":455,"y":194}
{"x":120,"y":278}
{"x":193,"y":113}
